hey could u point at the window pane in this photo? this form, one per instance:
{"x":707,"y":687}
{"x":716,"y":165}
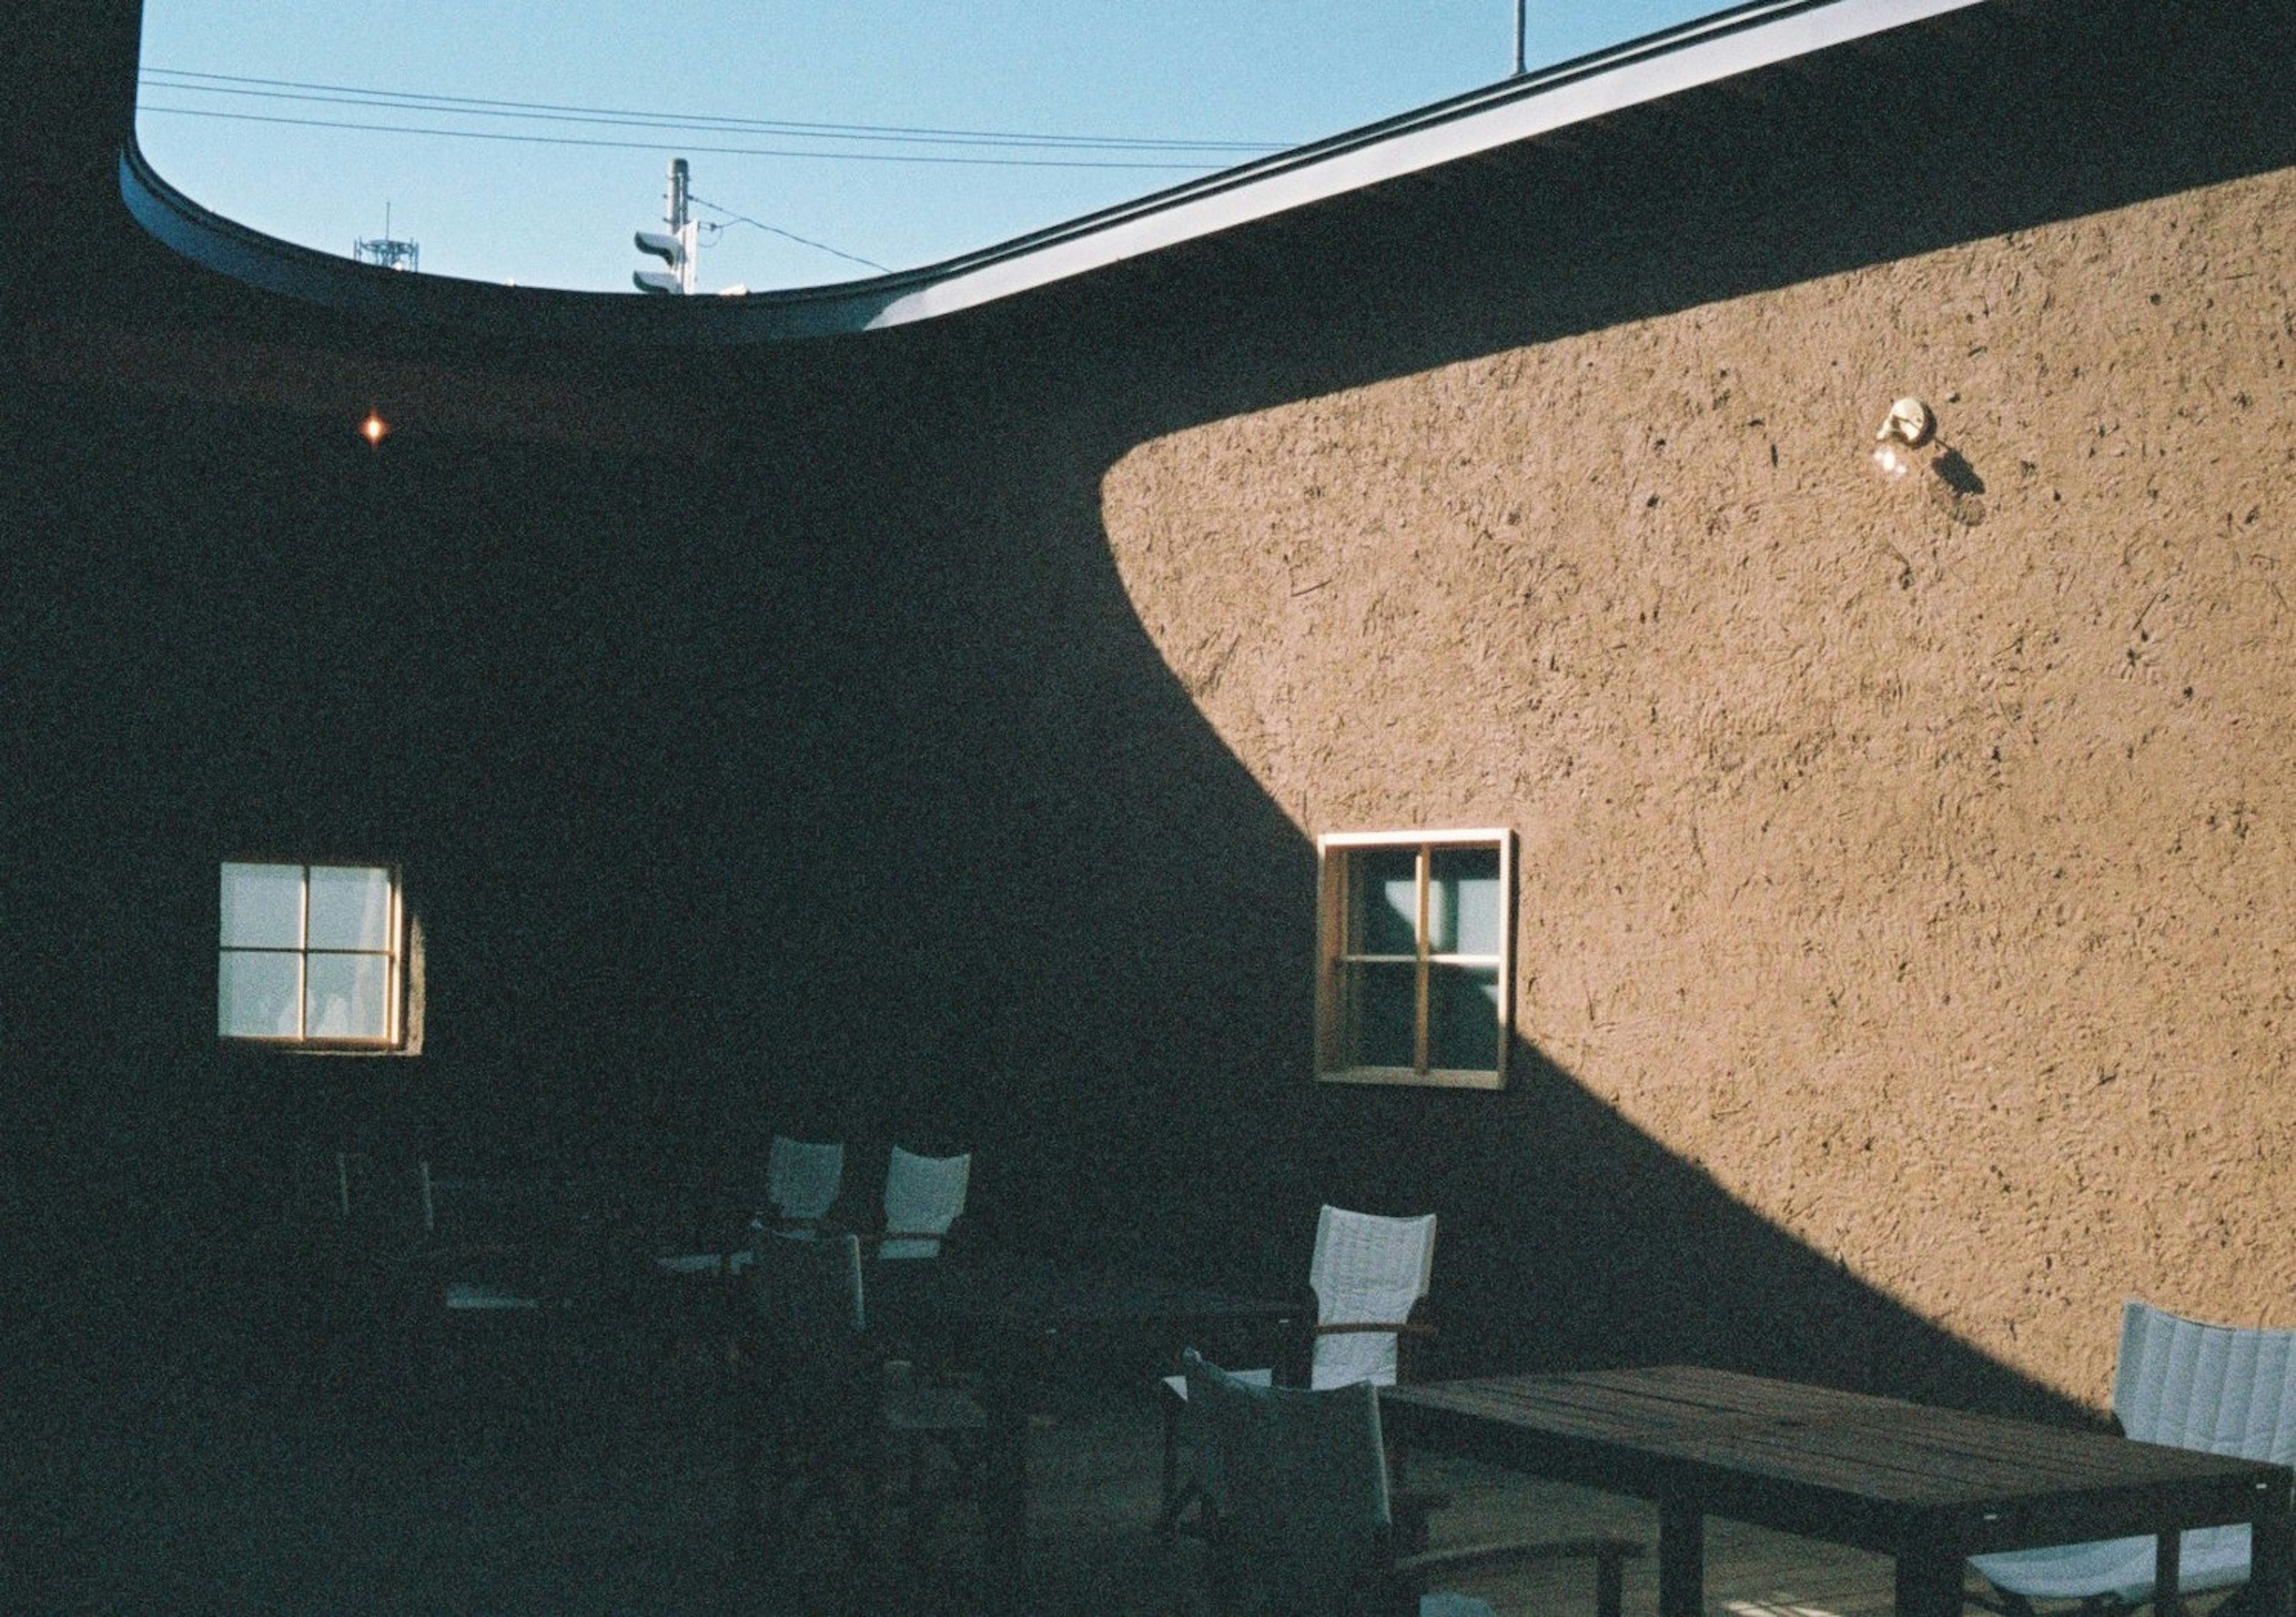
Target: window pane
{"x":1382,"y":1015}
{"x":350,"y":908}
{"x":256,"y":995}
{"x":1383,"y":901}
{"x":1463,"y":901}
{"x":262,"y":906}
{"x":349,"y":996}
{"x":1463,"y":1017}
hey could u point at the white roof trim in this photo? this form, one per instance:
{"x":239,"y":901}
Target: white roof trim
{"x":1719,"y":48}
{"x":1743,"y":40}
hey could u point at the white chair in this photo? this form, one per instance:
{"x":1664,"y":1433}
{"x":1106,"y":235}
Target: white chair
{"x":1369,"y":1273}
{"x":1301,"y":1521}
{"x":2217,"y":1388}
{"x":925,"y":1195}
{"x":802,"y":1178}
{"x":802,"y":1181}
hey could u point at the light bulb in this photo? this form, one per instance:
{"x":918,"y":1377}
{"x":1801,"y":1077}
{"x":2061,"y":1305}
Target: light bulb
{"x":1897,"y":442}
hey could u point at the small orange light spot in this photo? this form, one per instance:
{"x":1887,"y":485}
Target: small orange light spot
{"x":372,"y":428}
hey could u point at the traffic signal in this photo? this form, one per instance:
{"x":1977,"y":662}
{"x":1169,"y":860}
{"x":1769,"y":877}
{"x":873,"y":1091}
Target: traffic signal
{"x":671,"y":251}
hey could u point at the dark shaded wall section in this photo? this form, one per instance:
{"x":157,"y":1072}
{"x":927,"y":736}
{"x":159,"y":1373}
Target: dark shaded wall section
{"x":827,"y":785}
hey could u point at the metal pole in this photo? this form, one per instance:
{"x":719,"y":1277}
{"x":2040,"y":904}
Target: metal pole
{"x":685,"y":229}
{"x":1522,"y":25}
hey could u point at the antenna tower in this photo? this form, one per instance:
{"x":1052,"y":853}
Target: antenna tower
{"x":386,"y":251}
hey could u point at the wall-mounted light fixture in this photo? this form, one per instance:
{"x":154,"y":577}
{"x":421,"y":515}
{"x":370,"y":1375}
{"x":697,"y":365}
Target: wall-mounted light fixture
{"x":1910,"y":427}
{"x":1908,"y":441}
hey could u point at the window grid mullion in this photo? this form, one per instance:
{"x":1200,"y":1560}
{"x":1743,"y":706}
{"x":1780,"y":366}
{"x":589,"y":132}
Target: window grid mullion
{"x":301,"y":955}
{"x":390,"y":987}
{"x":1422,"y":869}
{"x":1340,"y":1009}
{"x":303,"y":964}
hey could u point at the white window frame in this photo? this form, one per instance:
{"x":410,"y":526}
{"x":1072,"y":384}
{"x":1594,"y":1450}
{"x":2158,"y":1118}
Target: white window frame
{"x":396,"y":954}
{"x":1334,"y":867}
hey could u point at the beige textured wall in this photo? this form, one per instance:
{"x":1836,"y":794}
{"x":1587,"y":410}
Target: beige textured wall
{"x":1922,"y":865}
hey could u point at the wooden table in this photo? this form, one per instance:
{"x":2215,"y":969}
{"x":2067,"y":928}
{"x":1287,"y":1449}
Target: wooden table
{"x":1019,"y":1320}
{"x":1930,"y":1487}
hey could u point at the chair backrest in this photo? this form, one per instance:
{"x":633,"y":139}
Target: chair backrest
{"x":923,"y":1196}
{"x":802,"y":1178}
{"x":811,"y":1319}
{"x":2221,"y":1389}
{"x":1302,"y":1515}
{"x":1366,"y":1269}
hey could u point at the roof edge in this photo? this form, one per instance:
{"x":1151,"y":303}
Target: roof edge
{"x":1743,"y":40}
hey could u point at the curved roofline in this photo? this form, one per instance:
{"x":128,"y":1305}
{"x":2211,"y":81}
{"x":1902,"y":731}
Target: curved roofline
{"x":1738,"y":41}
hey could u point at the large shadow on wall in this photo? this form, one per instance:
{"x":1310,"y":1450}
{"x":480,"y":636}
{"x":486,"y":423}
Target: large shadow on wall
{"x":1993,"y":119}
{"x":907,"y":830}
{"x":1135,"y":1069}
{"x":1096,"y":971}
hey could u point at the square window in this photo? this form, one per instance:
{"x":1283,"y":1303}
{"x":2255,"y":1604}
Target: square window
{"x":313,"y":956}
{"x":1415,"y":962}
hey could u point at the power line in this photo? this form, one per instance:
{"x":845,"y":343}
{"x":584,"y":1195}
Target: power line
{"x":285,"y":89}
{"x":803,"y":241}
{"x":667,"y":145}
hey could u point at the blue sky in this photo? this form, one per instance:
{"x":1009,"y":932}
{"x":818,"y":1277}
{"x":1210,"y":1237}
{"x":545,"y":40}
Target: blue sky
{"x":555,"y":205}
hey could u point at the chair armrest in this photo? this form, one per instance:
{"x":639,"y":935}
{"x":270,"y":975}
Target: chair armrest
{"x":877,"y":1240}
{"x":1609,"y":1553}
{"x":1412,"y":1336}
{"x":1451,"y":1559}
{"x":1399,"y":1580}
{"x":1419,"y":1322}
{"x":1295,"y":1366}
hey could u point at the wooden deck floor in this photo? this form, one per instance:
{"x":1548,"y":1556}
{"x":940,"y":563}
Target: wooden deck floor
{"x":200,"y":1488}
{"x":1095,"y":1476}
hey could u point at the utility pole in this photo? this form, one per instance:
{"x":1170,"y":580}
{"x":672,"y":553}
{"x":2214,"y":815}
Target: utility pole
{"x":675,"y":246}
{"x":1522,"y":27}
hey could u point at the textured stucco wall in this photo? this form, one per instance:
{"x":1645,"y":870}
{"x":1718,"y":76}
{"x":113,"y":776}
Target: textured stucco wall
{"x":1917,"y":863}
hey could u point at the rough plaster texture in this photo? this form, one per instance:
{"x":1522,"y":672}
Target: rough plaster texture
{"x":1916,"y":858}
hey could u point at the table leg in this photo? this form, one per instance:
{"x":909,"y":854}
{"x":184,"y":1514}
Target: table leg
{"x":2272,"y":1555}
{"x":1004,"y":1509}
{"x":1930,"y":1581}
{"x":1681,"y":1559}
{"x":2169,"y":1575}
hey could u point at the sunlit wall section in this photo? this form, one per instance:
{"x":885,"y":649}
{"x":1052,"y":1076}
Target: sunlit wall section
{"x":1910,"y":854}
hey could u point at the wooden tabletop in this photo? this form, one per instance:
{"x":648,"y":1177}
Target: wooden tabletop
{"x":1877,"y":1472}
